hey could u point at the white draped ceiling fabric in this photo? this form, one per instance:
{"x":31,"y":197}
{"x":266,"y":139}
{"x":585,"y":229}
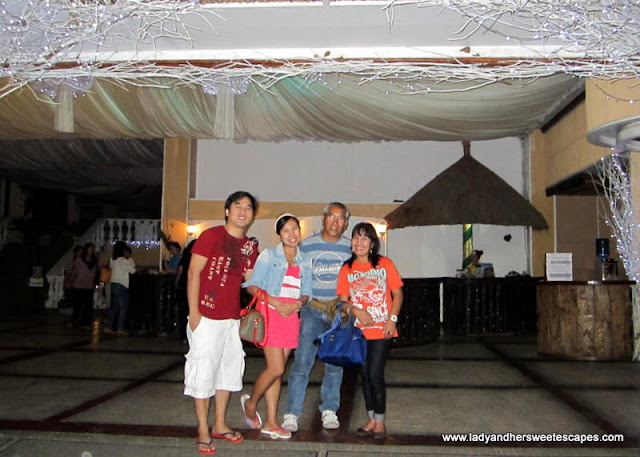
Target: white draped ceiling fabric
{"x":114,"y":169}
{"x":337,"y":108}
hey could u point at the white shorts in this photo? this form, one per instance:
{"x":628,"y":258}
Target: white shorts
{"x":215,"y":360}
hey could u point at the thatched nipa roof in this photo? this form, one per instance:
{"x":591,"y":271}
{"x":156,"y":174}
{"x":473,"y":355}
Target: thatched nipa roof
{"x":466,"y":193}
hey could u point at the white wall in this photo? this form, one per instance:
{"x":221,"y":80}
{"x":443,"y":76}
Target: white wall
{"x":366,"y":173}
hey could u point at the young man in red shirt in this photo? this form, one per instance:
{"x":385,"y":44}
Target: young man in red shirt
{"x":222,"y":258}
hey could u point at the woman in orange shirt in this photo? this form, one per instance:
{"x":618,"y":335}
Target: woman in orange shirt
{"x":372,"y":286}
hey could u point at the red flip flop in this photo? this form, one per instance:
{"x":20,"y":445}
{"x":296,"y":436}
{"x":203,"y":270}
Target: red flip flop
{"x":231,"y":437}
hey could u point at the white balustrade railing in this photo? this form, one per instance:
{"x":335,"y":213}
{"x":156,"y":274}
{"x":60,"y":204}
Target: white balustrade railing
{"x":103,"y":232}
{"x":136,"y":232}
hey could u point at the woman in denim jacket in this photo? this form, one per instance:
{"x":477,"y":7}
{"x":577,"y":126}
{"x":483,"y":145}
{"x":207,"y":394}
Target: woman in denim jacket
{"x":285,"y":274}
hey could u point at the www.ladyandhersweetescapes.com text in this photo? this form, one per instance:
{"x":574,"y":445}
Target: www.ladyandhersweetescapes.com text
{"x":488,"y":438}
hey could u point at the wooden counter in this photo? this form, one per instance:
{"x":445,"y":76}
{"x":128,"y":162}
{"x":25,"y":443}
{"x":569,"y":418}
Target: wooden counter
{"x":585,"y":320}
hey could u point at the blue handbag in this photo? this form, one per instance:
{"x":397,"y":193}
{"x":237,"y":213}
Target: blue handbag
{"x":342,"y":344}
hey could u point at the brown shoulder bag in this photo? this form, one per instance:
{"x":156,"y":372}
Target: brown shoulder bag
{"x":253,"y":322}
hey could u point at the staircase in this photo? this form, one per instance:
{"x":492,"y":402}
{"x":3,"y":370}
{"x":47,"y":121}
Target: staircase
{"x":104,"y":232}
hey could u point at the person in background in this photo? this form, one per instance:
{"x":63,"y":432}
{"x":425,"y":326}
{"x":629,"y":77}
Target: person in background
{"x":68,"y":268}
{"x":174,"y":257}
{"x":328,"y":250}
{"x":372,"y":285}
{"x":83,"y":280}
{"x":166,"y":312}
{"x":66,"y":302}
{"x":284,"y":272}
{"x":122,"y":265}
{"x":472,"y":268}
{"x":182,"y":303}
{"x":220,"y":259}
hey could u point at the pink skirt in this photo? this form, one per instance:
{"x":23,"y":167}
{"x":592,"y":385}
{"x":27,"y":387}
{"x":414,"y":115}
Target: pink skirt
{"x":282,"y":332}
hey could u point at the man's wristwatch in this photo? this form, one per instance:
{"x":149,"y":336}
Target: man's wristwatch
{"x":393,"y":318}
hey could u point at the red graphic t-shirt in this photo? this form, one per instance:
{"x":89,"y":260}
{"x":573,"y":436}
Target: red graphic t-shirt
{"x":228,"y":258}
{"x":370,"y":289}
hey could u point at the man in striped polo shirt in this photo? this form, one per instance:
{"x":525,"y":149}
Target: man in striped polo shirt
{"x":329,"y":249}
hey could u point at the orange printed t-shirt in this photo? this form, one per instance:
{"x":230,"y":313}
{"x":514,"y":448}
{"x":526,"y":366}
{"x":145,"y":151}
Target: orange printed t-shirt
{"x":370,"y":289}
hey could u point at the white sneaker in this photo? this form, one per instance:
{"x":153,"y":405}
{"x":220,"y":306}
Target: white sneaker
{"x":290,"y":422}
{"x":330,"y":420}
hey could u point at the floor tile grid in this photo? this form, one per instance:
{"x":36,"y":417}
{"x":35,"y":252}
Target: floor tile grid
{"x":561,"y":394}
{"x":179,"y":430}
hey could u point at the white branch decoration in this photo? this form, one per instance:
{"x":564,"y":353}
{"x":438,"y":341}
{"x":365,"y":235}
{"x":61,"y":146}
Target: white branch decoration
{"x":613,"y":183}
{"x":599,"y":29}
{"x":45,"y":39}
{"x":41,"y":40}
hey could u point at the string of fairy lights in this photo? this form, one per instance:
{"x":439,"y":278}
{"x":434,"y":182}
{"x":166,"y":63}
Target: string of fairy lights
{"x":42,"y":44}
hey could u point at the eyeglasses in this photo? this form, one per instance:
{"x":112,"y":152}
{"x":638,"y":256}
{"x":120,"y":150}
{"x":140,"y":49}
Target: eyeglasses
{"x":335,"y":217}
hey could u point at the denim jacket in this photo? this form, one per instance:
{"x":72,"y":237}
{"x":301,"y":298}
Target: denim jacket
{"x":271,"y":266}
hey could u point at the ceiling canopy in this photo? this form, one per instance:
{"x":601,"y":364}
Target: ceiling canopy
{"x":335,"y":109}
{"x":113,"y":170}
{"x":338,"y":108}
{"x":272,"y":71}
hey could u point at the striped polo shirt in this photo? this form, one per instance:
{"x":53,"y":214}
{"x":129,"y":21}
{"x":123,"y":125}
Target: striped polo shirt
{"x":328,"y":258}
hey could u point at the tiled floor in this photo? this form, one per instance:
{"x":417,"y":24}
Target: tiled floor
{"x":82,"y":384}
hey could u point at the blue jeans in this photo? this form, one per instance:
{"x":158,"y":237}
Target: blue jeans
{"x":119,"y":305}
{"x":312,"y":323}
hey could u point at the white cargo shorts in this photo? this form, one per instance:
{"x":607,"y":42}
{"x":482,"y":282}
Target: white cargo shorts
{"x":215,"y":360}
